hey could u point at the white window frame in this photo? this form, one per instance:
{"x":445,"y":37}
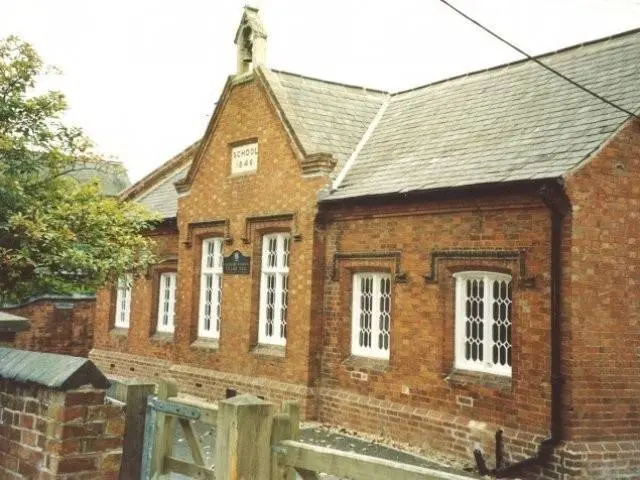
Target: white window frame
{"x":486,"y":365}
{"x":274,"y":289}
{"x":123,"y":301}
{"x":375,"y":334}
{"x":210,"y":307}
{"x":167,"y":302}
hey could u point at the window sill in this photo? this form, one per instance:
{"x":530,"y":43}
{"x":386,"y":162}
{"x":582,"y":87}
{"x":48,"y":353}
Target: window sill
{"x":162,"y":337}
{"x":271,"y":351}
{"x":366,"y":363}
{"x":119,"y":332}
{"x":488,"y":380}
{"x":209,"y":344}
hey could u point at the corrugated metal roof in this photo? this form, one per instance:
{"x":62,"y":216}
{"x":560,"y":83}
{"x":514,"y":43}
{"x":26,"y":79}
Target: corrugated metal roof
{"x":49,"y":369}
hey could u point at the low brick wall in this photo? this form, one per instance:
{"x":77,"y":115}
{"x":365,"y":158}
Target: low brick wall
{"x":202,"y":382}
{"x":59,"y":324}
{"x":55,"y":422}
{"x":49,"y":434}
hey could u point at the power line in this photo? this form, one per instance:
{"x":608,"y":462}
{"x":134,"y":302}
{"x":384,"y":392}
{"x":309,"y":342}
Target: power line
{"x":542,"y":64}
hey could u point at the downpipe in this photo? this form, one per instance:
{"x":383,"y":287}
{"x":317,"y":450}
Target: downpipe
{"x":556,"y":200}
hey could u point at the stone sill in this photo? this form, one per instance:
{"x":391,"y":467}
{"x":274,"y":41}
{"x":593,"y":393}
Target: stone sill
{"x":208,"y":344}
{"x":162,"y":337}
{"x":270,"y":351}
{"x":119,"y":332}
{"x":465,"y":378}
{"x":367,"y":364}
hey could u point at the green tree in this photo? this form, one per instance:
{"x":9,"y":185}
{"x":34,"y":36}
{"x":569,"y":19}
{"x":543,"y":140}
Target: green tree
{"x":56,"y":234}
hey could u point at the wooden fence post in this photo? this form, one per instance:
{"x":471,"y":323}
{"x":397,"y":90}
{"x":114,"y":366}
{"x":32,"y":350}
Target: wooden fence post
{"x":243,"y":439}
{"x":134,"y":394}
{"x":167,"y":388}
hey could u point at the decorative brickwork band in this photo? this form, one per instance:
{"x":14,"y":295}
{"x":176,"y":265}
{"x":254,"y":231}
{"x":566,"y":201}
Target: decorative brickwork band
{"x":518,"y":255}
{"x":188,"y":242}
{"x":277,"y":217}
{"x":399,"y":275}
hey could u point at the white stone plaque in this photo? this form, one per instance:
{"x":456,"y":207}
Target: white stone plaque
{"x":244,"y":158}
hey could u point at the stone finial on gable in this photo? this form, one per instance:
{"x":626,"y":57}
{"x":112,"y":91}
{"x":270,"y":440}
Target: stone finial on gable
{"x":251,"y":41}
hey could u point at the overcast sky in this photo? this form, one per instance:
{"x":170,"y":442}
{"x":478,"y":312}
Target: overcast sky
{"x":142,"y":76}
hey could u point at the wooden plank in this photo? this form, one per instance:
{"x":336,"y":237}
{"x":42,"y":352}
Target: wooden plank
{"x":192,"y":441}
{"x":149,"y":443}
{"x":208,"y":411}
{"x":281,"y":430}
{"x":135,"y":394}
{"x":187,"y":469}
{"x":166,"y":423}
{"x":356,"y":466}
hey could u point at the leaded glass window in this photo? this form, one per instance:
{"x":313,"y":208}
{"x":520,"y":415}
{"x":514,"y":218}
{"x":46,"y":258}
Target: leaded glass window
{"x":210,"y":288}
{"x":371,"y":315}
{"x":167,"y":302}
{"x":123,"y":301}
{"x":274,"y":289}
{"x":483,"y":322}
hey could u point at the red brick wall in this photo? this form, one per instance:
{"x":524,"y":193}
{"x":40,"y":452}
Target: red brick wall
{"x":62,"y":326}
{"x":141,"y":337}
{"x":277,"y":187}
{"x":602,"y":298}
{"x":420,"y":370}
{"x":49,"y":434}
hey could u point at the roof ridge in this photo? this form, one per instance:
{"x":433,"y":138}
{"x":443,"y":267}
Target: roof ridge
{"x":521,"y":60}
{"x":361,"y":143}
{"x":331,"y":82}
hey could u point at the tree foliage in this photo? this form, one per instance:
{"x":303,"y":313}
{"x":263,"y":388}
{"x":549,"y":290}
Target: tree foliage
{"x":56,"y":234}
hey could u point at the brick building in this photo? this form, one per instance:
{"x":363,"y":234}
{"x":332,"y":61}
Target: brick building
{"x":432,"y":265}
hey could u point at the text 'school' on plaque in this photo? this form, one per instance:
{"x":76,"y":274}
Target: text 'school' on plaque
{"x":236,"y":263}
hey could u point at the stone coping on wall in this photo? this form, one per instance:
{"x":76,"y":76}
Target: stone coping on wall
{"x":13,"y":323}
{"x":62,"y":372}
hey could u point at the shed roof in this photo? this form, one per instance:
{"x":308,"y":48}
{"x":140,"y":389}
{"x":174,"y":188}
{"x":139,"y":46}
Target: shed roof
{"x":50,"y":370}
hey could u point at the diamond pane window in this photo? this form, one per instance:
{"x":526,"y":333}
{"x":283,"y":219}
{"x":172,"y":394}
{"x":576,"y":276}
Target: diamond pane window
{"x":483,"y":322}
{"x":123,"y":301}
{"x":166,"y":302}
{"x":371,"y":315}
{"x":274,"y":289}
{"x":210,"y":288}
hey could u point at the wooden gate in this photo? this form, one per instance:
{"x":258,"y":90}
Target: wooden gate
{"x":160,"y":422}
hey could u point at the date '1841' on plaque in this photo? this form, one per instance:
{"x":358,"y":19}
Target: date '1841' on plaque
{"x":236,"y":263}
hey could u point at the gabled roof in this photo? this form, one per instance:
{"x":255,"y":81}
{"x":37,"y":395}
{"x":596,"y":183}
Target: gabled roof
{"x":511,"y":123}
{"x":515,"y":122}
{"x":156,"y":190}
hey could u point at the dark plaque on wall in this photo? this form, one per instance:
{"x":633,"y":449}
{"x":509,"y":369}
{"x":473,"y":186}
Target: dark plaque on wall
{"x":236,"y":263}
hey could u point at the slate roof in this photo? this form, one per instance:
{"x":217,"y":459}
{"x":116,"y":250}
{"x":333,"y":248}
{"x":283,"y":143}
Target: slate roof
{"x":156,"y":190}
{"x":326,"y":117}
{"x":163,"y":199}
{"x":515,"y":122}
